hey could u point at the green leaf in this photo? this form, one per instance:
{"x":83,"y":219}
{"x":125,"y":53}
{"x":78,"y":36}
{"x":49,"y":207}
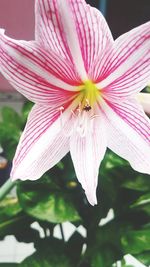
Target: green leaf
{"x":11,"y":117}
{"x":8,"y":224}
{"x":104,"y":247}
{"x":138,"y":182}
{"x":10,"y":130}
{"x":9,"y":206}
{"x":9,"y":137}
{"x":9,"y":209}
{"x":74,"y":247}
{"x":102,"y":256}
{"x":148,"y":89}
{"x":142,"y":203}
{"x":50,"y":253}
{"x":112,"y":160}
{"x":19,"y":226}
{"x":26,"y":110}
{"x":144,"y":257}
{"x":9,"y":264}
{"x":136,"y":241}
{"x":60,"y":165}
{"x":47,"y":203}
{"x":14,"y":222}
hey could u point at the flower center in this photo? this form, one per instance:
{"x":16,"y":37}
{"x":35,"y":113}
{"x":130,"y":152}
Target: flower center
{"x":83,"y":113}
{"x":89,"y":94}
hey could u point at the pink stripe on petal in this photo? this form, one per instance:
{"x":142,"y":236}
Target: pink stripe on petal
{"x":42,"y":144}
{"x":127,"y":68}
{"x":128,"y":131}
{"x":39,"y":75}
{"x":48,"y":65}
{"x":93,"y":34}
{"x":55,"y":30}
{"x":87,"y":152}
{"x":133,"y":114}
{"x":48,"y":28}
{"x":34,"y":90}
{"x":95,"y":38}
{"x":124,"y":47}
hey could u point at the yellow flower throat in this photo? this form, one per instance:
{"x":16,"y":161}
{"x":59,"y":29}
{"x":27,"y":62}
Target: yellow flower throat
{"x":88,"y":96}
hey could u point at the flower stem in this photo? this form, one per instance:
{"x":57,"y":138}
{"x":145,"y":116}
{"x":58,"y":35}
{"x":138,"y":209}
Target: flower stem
{"x":62,"y":232}
{"x":6,"y":187}
{"x":103,"y":6}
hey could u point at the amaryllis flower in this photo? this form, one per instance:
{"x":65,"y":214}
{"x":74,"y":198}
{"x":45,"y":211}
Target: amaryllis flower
{"x":84,"y":85}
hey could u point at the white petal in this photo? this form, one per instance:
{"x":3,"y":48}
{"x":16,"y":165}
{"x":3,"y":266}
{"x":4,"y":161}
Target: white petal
{"x":74,"y":30}
{"x":128,"y":130}
{"x":93,"y":34}
{"x":56,"y":29}
{"x":87,"y":152}
{"x":126,"y":70}
{"x":42,"y":77}
{"x":42,"y":144}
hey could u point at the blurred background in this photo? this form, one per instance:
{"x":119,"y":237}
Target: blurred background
{"x":17,"y":18}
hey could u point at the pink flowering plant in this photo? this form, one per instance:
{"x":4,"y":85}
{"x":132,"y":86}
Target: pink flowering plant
{"x":85,"y":88}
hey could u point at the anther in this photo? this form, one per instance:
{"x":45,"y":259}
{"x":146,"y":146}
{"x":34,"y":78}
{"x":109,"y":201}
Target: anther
{"x":61,"y":109}
{"x":87,"y":106}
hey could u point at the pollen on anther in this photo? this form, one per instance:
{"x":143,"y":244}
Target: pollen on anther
{"x":87,"y":107}
{"x":61,"y":108}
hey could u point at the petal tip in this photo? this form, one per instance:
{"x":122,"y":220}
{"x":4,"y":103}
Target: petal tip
{"x":91,"y":197}
{"x":2,"y":31}
{"x":13,"y":178}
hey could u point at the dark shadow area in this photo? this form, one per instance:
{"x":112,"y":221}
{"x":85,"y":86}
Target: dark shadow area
{"x":123,"y":15}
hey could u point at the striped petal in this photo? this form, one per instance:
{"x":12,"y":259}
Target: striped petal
{"x":94,"y":35}
{"x":126,"y":70}
{"x":42,"y":77}
{"x":56,"y":30}
{"x":128,"y":130}
{"x":76,"y":31}
{"x":87,"y":152}
{"x":42,"y":144}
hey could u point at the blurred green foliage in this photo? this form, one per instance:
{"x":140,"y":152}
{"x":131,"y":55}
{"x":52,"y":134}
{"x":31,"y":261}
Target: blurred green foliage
{"x":57,"y":197}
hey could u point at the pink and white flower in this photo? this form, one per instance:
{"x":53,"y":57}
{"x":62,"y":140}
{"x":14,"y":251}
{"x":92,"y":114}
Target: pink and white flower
{"x":84,"y":85}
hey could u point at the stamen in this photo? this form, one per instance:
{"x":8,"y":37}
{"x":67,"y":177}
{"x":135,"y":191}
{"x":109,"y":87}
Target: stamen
{"x":79,"y":109}
{"x":73,"y":113}
{"x":94,"y":116}
{"x":61,"y":113}
{"x":87,"y":106}
{"x":61,"y":109}
{"x":81,"y":121}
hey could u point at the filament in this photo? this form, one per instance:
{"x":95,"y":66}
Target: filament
{"x":82,"y":121}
